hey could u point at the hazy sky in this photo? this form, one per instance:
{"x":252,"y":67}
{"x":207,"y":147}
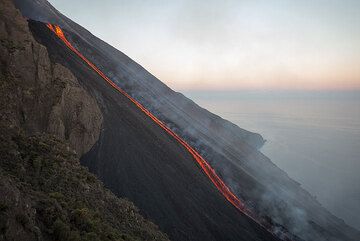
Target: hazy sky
{"x":232,"y":44}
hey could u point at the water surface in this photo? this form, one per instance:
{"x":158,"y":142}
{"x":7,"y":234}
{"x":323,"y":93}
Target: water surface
{"x":313,"y":136}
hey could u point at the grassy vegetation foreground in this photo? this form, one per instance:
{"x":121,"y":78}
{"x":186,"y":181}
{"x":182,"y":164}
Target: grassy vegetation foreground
{"x":46,"y":195}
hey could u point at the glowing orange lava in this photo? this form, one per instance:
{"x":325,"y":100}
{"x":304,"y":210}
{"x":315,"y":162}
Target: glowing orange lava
{"x":208,"y":170}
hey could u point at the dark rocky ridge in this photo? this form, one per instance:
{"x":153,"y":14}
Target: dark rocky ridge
{"x":137,"y":159}
{"x":250,"y":174}
{"x":45,"y":96}
{"x":45,"y":194}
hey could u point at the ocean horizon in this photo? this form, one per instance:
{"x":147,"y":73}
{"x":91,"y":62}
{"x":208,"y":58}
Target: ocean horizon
{"x":314,"y":136}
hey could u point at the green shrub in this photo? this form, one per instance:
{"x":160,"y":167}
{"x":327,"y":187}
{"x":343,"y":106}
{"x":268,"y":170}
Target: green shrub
{"x":36,"y":163}
{"x":82,"y":219}
{"x":74,"y":236}
{"x":61,"y":230}
{"x":56,"y":195}
{"x":90,"y":237}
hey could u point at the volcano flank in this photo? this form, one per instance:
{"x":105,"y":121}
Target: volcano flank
{"x":192,"y":173}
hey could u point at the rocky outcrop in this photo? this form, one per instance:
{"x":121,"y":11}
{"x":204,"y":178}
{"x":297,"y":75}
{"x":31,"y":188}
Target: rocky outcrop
{"x":40,"y":96}
{"x":137,"y":160}
{"x":76,"y":116}
{"x":45,"y":114}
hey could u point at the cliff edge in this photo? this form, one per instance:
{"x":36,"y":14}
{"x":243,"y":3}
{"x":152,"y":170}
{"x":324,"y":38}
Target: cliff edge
{"x":38,"y":95}
{"x":48,"y":120}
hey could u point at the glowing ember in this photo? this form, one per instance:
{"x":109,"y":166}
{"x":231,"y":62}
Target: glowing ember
{"x":208,"y":170}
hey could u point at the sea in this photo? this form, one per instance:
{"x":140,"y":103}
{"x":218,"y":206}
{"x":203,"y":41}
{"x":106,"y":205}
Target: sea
{"x":312,"y":135}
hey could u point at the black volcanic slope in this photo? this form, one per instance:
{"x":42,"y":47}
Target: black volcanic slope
{"x":136,"y":159}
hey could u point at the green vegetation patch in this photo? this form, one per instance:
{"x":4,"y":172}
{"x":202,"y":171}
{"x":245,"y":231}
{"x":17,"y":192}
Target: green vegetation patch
{"x":45,"y":193}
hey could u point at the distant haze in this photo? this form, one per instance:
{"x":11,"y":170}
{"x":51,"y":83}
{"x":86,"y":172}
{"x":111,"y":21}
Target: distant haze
{"x":312,"y":135}
{"x":232,"y":44}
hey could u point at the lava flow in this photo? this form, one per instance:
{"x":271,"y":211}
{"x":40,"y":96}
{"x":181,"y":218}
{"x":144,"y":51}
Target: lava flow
{"x":208,"y":170}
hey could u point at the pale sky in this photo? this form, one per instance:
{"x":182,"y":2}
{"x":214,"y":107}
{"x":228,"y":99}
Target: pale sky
{"x":232,"y":44}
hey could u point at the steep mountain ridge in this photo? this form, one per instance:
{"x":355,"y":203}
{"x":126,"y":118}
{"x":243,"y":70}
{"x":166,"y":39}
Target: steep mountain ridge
{"x":45,"y":115}
{"x":46,"y":97}
{"x":250,"y":174}
{"x":137,"y":159}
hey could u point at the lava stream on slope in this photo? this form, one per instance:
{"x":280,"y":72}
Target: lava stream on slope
{"x":205,"y":166}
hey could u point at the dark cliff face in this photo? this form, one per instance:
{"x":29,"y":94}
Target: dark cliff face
{"x":45,"y":116}
{"x":46,"y":195}
{"x":39,"y":95}
{"x":137,"y":160}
